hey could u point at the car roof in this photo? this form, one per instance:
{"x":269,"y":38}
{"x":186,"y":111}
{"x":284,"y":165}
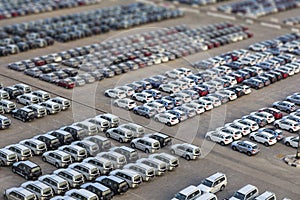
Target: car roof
{"x":250,"y":143}
{"x":29,"y":163}
{"x":213,"y":177}
{"x":188,"y":190}
{"x":246,"y":188}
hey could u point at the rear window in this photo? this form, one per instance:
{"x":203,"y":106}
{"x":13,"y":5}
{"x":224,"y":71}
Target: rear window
{"x":36,"y":169}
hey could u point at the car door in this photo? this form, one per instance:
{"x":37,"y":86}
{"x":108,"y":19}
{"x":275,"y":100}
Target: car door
{"x":242,"y":147}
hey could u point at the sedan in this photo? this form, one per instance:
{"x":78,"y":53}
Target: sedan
{"x":263,"y":137}
{"x":126,"y":103}
{"x":245,"y":147}
{"x":219,"y":137}
{"x":292,"y":141}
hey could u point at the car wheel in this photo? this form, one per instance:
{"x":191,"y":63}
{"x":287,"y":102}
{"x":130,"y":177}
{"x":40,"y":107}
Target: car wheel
{"x":208,"y":138}
{"x":44,"y":159}
{"x":147,"y":151}
{"x":234,"y":148}
{"x":222,"y":188}
{"x":156,"y":119}
{"x":252,"y":138}
{"x":172,"y":152}
{"x":135,"y":112}
{"x":147,"y":116}
{"x":26,"y":177}
{"x":5,"y":197}
{"x":276,"y":125}
{"x":144,"y":101}
{"x":168,"y":124}
{"x":275,"y":107}
{"x":132,"y":145}
{"x":115,"y":104}
{"x":105,"y":94}
{"x":57,"y":165}
{"x":266,"y":144}
{"x":13,"y":170}
{"x":288,"y":144}
{"x":108,"y":135}
{"x":249,"y":153}
{"x":23,"y":119}
{"x":222,"y":143}
{"x":187,"y":157}
{"x":120,"y":140}
{"x":291,"y":130}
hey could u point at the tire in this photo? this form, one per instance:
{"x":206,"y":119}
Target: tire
{"x":291,"y":130}
{"x":23,"y":120}
{"x":234,"y":148}
{"x":168,"y":124}
{"x":249,"y":153}
{"x":5,"y":197}
{"x":107,"y":135}
{"x":115,"y":104}
{"x":144,"y":101}
{"x":13,"y":170}
{"x":121,"y":140}
{"x":135,"y":112}
{"x":252,"y":138}
{"x":132,"y":145}
{"x":276,"y":125}
{"x":266,"y":144}
{"x":222,"y":188}
{"x":172,"y":152}
{"x":222,"y":143}
{"x":26,"y":177}
{"x":147,"y":116}
{"x":156,"y":119}
{"x":44,"y":159}
{"x":57,"y":165}
{"x":208,"y":138}
{"x":187,"y":157}
{"x":288,"y":144}
{"x":288,"y":111}
{"x":105,"y":94}
{"x":147,"y":151}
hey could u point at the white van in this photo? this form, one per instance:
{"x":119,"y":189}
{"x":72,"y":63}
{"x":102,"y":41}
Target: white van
{"x":266,"y":196}
{"x":248,"y":192}
{"x":148,"y":145}
{"x":133,"y":178}
{"x":214,"y":183}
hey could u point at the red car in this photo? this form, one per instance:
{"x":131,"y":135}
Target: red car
{"x":66,"y":83}
{"x":201,"y":90}
{"x":275,"y":112}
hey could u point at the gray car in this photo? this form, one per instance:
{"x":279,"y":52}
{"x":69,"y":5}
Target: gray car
{"x":34,"y":72}
{"x":247,"y":147}
{"x":294,"y":98}
{"x":285,"y":106}
{"x":51,"y":77}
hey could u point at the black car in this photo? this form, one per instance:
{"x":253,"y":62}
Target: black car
{"x":117,"y":185}
{"x":23,"y":114}
{"x":71,"y":71}
{"x":101,"y":191}
{"x":238,"y":90}
{"x":51,"y":142}
{"x":27,"y":169}
{"x":12,"y":91}
{"x":163,"y":139}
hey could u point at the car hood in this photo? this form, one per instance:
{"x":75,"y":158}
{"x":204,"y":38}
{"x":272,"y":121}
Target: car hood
{"x":204,"y":188}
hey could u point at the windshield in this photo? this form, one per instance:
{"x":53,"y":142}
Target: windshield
{"x":239,"y":195}
{"x":180,"y":196}
{"x":36,"y":169}
{"x":207,"y":183}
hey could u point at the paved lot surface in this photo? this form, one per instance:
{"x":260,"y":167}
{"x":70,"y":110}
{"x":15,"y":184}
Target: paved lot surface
{"x":266,"y":170}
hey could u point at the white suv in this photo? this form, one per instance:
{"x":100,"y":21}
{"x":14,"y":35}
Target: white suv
{"x":269,"y":117}
{"x":143,"y":97}
{"x":27,"y":99}
{"x":263,"y":137}
{"x":126,"y":103}
{"x":219,"y":137}
{"x":185,"y":150}
{"x":287,"y":124}
{"x":214,"y":183}
{"x":167,"y":119}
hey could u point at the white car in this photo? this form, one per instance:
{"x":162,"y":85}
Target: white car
{"x":158,"y":107}
{"x":214,"y":100}
{"x":126,"y":103}
{"x":230,"y":94}
{"x":166,"y":118}
{"x":263,"y":137}
{"x":184,"y":70}
{"x":287,"y":124}
{"x":115,"y":93}
{"x":246,"y":89}
{"x":292,"y":141}
{"x":169,"y":88}
{"x":185,"y":97}
{"x":185,"y":150}
{"x":182,"y":85}
{"x":143,"y":97}
{"x":174,"y":74}
{"x":235,"y":134}
{"x":197,"y":107}
{"x":128,"y":90}
{"x":208,"y":105}
{"x":269,"y":117}
{"x":244,"y":129}
{"x":219,"y":137}
{"x":246,"y":122}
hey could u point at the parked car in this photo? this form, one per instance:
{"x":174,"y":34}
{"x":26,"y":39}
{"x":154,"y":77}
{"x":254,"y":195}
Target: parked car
{"x":292,"y":141}
{"x":185,"y":150}
{"x":245,"y":147}
{"x":287,"y":124}
{"x":263,"y":137}
{"x":285,"y":106}
{"x":219,"y":137}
